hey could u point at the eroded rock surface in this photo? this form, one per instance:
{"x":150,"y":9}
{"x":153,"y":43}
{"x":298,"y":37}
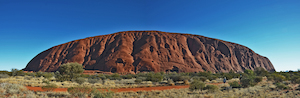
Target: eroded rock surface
{"x":139,"y":51}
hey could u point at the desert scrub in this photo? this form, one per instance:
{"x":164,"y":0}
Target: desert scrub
{"x":83,"y":92}
{"x":93,"y":81}
{"x":281,"y":86}
{"x":4,"y":75}
{"x":49,"y":87}
{"x":235,"y":84}
{"x":80,"y":80}
{"x":6,"y":88}
{"x":138,"y":81}
{"x":197,"y":85}
{"x":211,"y":88}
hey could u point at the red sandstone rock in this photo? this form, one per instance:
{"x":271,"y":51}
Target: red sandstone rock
{"x":138,"y":51}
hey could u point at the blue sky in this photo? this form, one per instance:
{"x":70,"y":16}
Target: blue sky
{"x":269,"y":27}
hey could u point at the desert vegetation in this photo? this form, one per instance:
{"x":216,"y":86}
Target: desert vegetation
{"x":257,"y":83}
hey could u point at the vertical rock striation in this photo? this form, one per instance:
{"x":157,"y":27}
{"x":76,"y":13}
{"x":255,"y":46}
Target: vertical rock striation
{"x":139,"y":51}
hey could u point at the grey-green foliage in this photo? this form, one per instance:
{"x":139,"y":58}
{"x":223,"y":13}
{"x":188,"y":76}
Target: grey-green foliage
{"x":16,"y":72}
{"x":281,"y":86}
{"x":80,"y":80}
{"x":235,"y":84}
{"x":211,"y":88}
{"x":246,"y":82}
{"x":154,"y":77}
{"x":91,"y":80}
{"x":4,"y":75}
{"x":259,"y":71}
{"x":138,"y":80}
{"x":70,"y":70}
{"x":197,"y":85}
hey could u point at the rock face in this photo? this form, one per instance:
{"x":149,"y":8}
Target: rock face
{"x":140,"y":51}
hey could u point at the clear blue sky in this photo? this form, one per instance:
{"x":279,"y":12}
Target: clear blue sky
{"x":269,"y":27}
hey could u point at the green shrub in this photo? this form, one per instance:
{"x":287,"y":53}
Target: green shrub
{"x":115,"y":76}
{"x":154,"y":77}
{"x":175,"y":77}
{"x":93,"y":81}
{"x":129,"y":76}
{"x":49,"y":87}
{"x":197,"y":85}
{"x":182,"y":78}
{"x":4,"y":75}
{"x":246,"y":82}
{"x":249,"y":72}
{"x":138,"y":80}
{"x":48,"y":75}
{"x":70,"y":71}
{"x":39,"y":74}
{"x":278,"y":77}
{"x":281,"y":86}
{"x":257,"y":79}
{"x":30,"y":74}
{"x":16,"y":72}
{"x":295,"y":79}
{"x":259,"y":71}
{"x":235,"y":84}
{"x":211,"y":88}
{"x":45,"y":81}
{"x":80,"y":80}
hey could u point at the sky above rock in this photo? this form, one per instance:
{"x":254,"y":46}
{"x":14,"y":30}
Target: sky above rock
{"x":268,"y":27}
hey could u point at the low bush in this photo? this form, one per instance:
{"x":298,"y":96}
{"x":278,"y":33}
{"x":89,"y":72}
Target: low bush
{"x":211,"y":88}
{"x":115,"y":76}
{"x":259,"y":71}
{"x":281,"y":86}
{"x":154,"y":77}
{"x":93,"y":81}
{"x":80,"y":80}
{"x":235,"y":84}
{"x":257,"y":79}
{"x":138,"y":80}
{"x":295,"y":79}
{"x":4,"y":75}
{"x":197,"y":85}
{"x":246,"y":82}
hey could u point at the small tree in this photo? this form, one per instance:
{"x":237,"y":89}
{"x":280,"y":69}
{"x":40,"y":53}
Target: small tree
{"x":71,"y":70}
